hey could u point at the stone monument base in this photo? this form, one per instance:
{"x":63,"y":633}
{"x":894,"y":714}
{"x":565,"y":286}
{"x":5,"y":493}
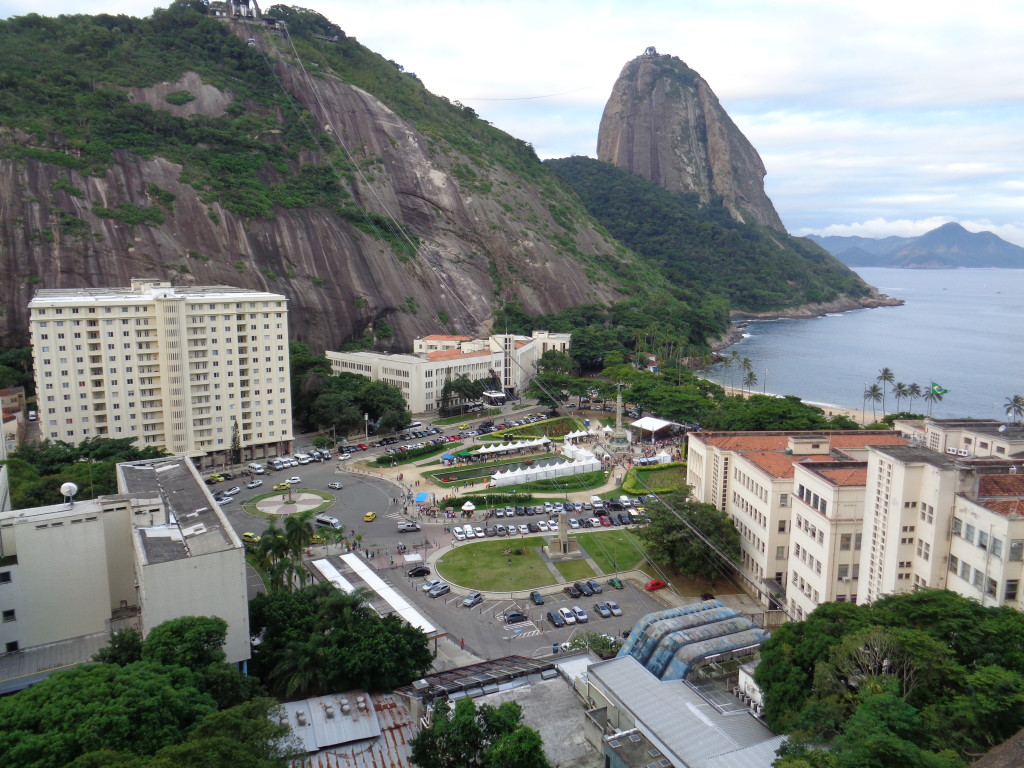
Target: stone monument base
{"x":557,"y":549}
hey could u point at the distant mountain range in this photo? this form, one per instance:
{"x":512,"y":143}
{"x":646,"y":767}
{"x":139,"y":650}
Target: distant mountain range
{"x":947,"y":247}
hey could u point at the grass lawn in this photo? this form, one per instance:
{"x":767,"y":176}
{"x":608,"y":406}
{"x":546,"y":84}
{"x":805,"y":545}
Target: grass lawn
{"x":658,"y":479}
{"x":482,"y":565}
{"x":575,"y":570}
{"x":614,"y":550}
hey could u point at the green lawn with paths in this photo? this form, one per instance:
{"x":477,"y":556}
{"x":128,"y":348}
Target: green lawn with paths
{"x":614,"y":550}
{"x":575,"y":570}
{"x":481,"y":565}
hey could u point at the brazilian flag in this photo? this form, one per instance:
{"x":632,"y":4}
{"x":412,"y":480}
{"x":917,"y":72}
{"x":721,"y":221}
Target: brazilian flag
{"x":938,"y":391}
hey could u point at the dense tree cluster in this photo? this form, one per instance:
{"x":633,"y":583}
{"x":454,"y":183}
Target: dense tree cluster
{"x":323,"y":399}
{"x":168,"y":702}
{"x":36,"y":471}
{"x":927,"y":679}
{"x":488,"y":737}
{"x":672,"y":540}
{"x":319,"y":639}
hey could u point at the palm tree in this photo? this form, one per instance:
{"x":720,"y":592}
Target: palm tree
{"x":900,"y":391}
{"x":885,"y":377}
{"x":302,"y":666}
{"x":914,"y":393}
{"x":750,"y":381}
{"x":875,"y":395}
{"x":1015,"y":407}
{"x":733,"y":361}
{"x":931,"y":397}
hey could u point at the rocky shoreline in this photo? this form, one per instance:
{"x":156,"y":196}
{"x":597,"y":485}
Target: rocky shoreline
{"x":842,"y":304}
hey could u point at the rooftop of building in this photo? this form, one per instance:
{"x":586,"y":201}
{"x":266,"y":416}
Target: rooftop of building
{"x":780,"y":465}
{"x":779,"y":441}
{"x":475,"y":679}
{"x":845,"y":476}
{"x":675,"y":717}
{"x":146,"y":290}
{"x":916,"y":454}
{"x":443,"y":337}
{"x":1002,"y":494}
{"x":370,"y":354}
{"x":195,"y":525}
{"x":456,"y":354}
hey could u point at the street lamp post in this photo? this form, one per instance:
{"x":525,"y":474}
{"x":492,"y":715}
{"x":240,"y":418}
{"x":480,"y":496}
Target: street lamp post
{"x":366,"y":427}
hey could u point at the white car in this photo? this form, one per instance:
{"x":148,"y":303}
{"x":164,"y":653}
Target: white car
{"x":344,"y":456}
{"x":542,"y":524}
{"x":567,"y":616}
{"x":254,"y":484}
{"x":479,"y":532}
{"x":429,"y":584}
{"x":595,"y":522}
{"x":524,"y":529}
{"x":335,"y":486}
{"x":574,"y":523}
{"x":233,"y":491}
{"x":294,"y":480}
{"x":458,"y":534}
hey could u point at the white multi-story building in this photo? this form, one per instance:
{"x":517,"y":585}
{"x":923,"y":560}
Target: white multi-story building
{"x":510,"y":360}
{"x":181,"y":368}
{"x":71,"y":573}
{"x":856,"y":516}
{"x":750,"y":476}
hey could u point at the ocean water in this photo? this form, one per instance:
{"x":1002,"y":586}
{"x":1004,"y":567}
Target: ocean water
{"x":963,"y":329}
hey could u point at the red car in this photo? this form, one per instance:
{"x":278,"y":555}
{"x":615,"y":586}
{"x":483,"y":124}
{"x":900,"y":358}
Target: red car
{"x":362,"y":446}
{"x":606,"y":523}
{"x":654,"y":584}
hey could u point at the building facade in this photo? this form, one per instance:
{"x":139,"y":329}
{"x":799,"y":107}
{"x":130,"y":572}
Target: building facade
{"x":179,"y":368}
{"x":507,"y":359}
{"x":161,"y":548}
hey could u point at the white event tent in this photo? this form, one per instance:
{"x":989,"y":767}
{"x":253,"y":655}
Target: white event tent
{"x":585,"y":462}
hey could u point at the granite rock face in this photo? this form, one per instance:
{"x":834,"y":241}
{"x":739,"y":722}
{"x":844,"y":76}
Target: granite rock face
{"x":664,"y":123}
{"x":480,"y":243}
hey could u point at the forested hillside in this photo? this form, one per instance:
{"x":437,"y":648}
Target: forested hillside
{"x":701,"y":249}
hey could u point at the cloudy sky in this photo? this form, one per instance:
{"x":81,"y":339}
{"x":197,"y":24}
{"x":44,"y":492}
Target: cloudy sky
{"x":873,"y":118}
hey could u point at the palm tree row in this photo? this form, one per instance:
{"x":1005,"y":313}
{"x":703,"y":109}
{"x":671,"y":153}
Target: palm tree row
{"x":886,"y":380}
{"x":1015,"y":408}
{"x":741,"y":363}
{"x":279,"y":552}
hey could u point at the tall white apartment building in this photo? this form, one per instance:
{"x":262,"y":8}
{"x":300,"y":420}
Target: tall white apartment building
{"x":182,"y":368}
{"x":421,"y":376}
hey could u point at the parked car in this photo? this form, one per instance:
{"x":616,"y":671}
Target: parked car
{"x":419,"y":570}
{"x":613,"y":607}
{"x":572,"y":591}
{"x":583,"y":588}
{"x":429,"y":584}
{"x":574,"y":523}
{"x":537,"y":597}
{"x":440,"y":589}
{"x":615,"y":582}
{"x":335,"y":486}
{"x":596,"y":588}
{"x":604,"y":611}
{"x":556,"y":619}
{"x":473,"y":598}
{"x":458,"y":534}
{"x":524,"y":529}
{"x":254,"y":483}
{"x":515,"y":617}
{"x":542,"y":525}
{"x":567,"y":615}
{"x":479,"y":532}
{"x":654,"y":584}
{"x":580,"y":614}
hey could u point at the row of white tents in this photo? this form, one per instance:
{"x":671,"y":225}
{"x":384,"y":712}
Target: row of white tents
{"x":584,"y":462}
{"x":512,"y":447}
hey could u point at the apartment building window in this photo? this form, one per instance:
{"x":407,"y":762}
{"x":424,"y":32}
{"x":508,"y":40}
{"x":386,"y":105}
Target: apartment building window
{"x":1016,"y":549}
{"x":969,"y":532}
{"x":965,"y":571}
{"x":783,"y":525}
{"x":954,"y":563}
{"x":780,"y":553}
{"x":9,"y":615}
{"x":997,"y":547}
{"x":1010,"y":591}
{"x":5,"y":577}
{"x":845,"y":541}
{"x":979,"y":578}
{"x":784,"y":500}
{"x":982,"y":540}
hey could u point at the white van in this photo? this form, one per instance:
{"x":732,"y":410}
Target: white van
{"x":468,"y":530}
{"x":326,"y":521}
{"x":597,"y":501}
{"x":303,"y":458}
{"x":277,"y":464}
{"x":257,"y":469}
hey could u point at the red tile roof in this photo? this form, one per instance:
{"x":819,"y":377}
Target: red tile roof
{"x":442,"y":337}
{"x":846,"y":477}
{"x":779,"y":464}
{"x":1001,"y":485}
{"x":455,"y":354}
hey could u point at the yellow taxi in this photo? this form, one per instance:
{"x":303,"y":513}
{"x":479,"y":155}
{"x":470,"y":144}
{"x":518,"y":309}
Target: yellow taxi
{"x":369,"y":517}
{"x":282,"y":487}
{"x":250,"y":538}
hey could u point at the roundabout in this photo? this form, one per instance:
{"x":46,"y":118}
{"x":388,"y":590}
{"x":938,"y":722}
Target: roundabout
{"x":280,"y":504}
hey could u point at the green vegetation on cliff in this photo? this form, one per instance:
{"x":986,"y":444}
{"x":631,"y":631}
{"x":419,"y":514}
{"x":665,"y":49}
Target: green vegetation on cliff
{"x":702,"y":250}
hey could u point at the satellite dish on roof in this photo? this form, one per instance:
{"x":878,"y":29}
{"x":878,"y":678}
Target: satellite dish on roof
{"x":1002,"y":427}
{"x":68,"y":491}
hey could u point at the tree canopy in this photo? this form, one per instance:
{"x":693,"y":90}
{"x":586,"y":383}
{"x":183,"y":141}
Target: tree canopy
{"x":489,"y":737}
{"x":927,"y":678}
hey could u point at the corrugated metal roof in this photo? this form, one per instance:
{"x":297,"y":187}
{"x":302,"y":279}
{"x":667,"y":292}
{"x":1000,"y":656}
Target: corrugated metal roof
{"x":674,"y":716}
{"x":389,"y":749}
{"x":762,"y":754}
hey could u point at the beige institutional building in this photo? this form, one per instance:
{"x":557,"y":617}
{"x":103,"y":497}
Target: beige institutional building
{"x":421,"y":375}
{"x":854,"y":516}
{"x":177,"y":367}
{"x":72,"y":573}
